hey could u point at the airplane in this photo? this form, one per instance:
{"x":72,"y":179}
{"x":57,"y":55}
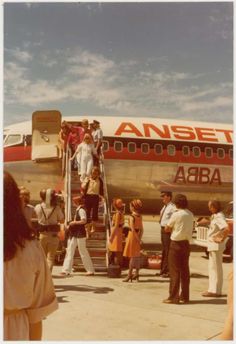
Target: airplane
{"x":142,"y":157}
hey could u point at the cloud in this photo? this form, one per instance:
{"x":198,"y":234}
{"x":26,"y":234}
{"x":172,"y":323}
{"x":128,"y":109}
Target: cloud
{"x":128,"y":87}
{"x":20,"y":55}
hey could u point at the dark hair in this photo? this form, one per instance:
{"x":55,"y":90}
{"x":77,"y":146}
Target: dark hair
{"x":167,"y":193}
{"x":215,"y":204}
{"x":16,"y":228}
{"x":181,"y":201}
{"x":53,"y":198}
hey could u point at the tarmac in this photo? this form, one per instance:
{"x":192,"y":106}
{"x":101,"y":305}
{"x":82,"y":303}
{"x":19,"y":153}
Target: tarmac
{"x":98,"y":308}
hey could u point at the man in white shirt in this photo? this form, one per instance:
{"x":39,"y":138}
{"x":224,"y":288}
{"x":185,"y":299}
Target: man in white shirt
{"x":97,"y":138}
{"x":180,"y":226}
{"x":165,"y":215}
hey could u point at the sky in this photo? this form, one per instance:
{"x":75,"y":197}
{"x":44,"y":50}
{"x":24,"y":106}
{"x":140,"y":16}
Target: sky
{"x":158,"y":59}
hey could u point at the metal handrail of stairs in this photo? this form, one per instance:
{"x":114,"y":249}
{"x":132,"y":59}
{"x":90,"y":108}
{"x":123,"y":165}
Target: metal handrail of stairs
{"x":67,"y":186}
{"x":107,"y":212}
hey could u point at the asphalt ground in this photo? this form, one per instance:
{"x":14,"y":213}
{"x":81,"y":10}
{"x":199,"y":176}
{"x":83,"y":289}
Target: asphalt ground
{"x":98,"y":308}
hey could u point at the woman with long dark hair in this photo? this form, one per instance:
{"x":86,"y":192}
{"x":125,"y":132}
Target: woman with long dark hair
{"x":28,"y":289}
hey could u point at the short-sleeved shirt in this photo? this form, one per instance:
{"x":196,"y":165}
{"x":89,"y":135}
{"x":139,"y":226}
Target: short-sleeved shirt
{"x":97,"y":135}
{"x":28,"y":287}
{"x":218,"y":223}
{"x":53,"y":216}
{"x":82,"y":213}
{"x":166,"y":213}
{"x":181,"y":222}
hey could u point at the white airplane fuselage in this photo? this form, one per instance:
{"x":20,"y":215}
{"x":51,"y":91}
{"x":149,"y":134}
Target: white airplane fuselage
{"x":142,"y":157}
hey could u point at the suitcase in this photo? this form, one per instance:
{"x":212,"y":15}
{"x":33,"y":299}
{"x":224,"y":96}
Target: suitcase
{"x":154,"y":262}
{"x":114,"y":271}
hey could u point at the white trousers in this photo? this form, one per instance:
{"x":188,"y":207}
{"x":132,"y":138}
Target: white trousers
{"x":215,"y":271}
{"x":84,"y":254}
{"x":86,"y":166}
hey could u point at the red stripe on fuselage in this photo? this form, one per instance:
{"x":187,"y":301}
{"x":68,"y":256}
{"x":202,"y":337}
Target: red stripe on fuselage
{"x":17,"y":153}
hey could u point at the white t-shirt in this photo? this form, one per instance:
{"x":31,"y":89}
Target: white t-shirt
{"x":181,"y":222}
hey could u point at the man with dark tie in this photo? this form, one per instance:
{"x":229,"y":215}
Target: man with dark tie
{"x":165,"y":214}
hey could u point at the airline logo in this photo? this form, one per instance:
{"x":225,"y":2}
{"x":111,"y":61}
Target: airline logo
{"x":178,"y":132}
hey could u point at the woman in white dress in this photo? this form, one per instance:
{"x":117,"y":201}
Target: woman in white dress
{"x":29,"y":294}
{"x":84,"y":154}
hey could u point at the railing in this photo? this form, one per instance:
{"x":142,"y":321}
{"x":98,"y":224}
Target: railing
{"x":67,"y":186}
{"x":106,"y":203}
{"x":201,"y":237}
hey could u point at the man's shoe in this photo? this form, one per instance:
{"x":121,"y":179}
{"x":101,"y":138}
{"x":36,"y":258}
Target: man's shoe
{"x":182,"y":301}
{"x":170,"y":301}
{"x":165,"y":275}
{"x":65,"y":274}
{"x":210,"y":294}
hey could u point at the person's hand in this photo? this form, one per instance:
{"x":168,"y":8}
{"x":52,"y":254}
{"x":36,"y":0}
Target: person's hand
{"x":219,"y":237}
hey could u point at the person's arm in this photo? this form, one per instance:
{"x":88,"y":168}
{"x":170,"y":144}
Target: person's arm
{"x":167,"y":229}
{"x":115,"y":228}
{"x":203,"y":221}
{"x":35,"y":331}
{"x":221,"y":235}
{"x":76,"y":152}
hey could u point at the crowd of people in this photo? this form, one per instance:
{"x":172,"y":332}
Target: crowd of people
{"x":31,"y":238}
{"x":85,"y":141}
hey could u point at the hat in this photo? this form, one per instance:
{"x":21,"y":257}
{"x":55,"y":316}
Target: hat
{"x":167,"y":193}
{"x":95,"y":122}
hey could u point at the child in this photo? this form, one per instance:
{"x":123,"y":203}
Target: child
{"x":133,"y":241}
{"x":115,"y":245}
{"x":77,"y":236}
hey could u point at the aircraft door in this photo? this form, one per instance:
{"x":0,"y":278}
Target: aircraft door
{"x":45,"y":129}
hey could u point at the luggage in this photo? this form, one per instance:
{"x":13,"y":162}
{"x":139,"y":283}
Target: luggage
{"x":154,"y":262}
{"x":114,"y":271}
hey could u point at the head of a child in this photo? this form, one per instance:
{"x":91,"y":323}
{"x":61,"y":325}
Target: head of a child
{"x":78,"y":200}
{"x":118,"y":203}
{"x":136,"y":206}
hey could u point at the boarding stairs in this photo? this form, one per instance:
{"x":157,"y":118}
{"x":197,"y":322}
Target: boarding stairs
{"x":97,"y":242}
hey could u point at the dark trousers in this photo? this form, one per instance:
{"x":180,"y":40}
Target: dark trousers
{"x":91,"y":205}
{"x":165,"y":240}
{"x":179,"y":270}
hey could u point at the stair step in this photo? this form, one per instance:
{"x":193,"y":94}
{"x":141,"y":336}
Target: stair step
{"x":96,"y":243}
{"x":97,"y":268}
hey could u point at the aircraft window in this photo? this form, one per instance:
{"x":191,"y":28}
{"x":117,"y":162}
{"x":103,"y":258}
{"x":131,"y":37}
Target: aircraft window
{"x":186,"y":150}
{"x":145,"y":148}
{"x":118,"y":146}
{"x":231,"y":153}
{"x":131,"y":147}
{"x":12,"y":140}
{"x":220,"y":153}
{"x":171,"y":150}
{"x":158,"y":149}
{"x":196,"y":152}
{"x":105,"y":146}
{"x":208,"y":152}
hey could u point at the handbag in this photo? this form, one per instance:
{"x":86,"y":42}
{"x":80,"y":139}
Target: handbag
{"x":154,"y":262}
